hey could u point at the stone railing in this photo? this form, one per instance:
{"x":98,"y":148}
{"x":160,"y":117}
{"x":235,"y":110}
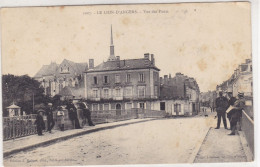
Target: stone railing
{"x":247,"y":126}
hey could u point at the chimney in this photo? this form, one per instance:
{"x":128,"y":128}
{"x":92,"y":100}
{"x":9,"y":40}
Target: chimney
{"x":91,"y":63}
{"x":248,"y":61}
{"x":146,"y":56}
{"x":161,"y":80}
{"x":152,"y":59}
{"x":165,"y":79}
{"x":117,"y":57}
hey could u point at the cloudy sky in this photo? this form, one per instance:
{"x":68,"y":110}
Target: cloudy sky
{"x":206,"y":41}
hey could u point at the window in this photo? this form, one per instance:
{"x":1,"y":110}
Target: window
{"x":128,"y":105}
{"x":61,"y":69}
{"x":105,"y":79}
{"x":68,"y":69}
{"x":128,"y":91}
{"x":106,"y":93}
{"x":118,"y":92}
{"x":156,"y":90}
{"x":162,"y":106}
{"x":95,"y":93}
{"x":106,"y":107}
{"x":95,"y":107}
{"x":141,"y":91}
{"x":141,"y":105}
{"x":95,"y":80}
{"x":141,"y":77}
{"x":117,"y":79}
{"x":128,"y":78}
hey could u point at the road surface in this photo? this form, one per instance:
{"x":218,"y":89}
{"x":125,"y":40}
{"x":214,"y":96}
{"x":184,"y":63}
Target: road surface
{"x":153,"y":142}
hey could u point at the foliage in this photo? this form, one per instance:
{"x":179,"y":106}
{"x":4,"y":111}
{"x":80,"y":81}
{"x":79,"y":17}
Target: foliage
{"x":22,"y":90}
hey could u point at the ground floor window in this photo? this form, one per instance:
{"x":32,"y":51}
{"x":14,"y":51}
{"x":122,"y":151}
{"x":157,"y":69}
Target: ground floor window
{"x":162,"y":106}
{"x":141,"y":105}
{"x":128,"y":105}
{"x":95,"y":107}
{"x":106,"y":107}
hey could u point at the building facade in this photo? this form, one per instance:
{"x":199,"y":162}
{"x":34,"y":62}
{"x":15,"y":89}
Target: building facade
{"x":54,"y":77}
{"x":240,"y":81}
{"x":122,"y":84}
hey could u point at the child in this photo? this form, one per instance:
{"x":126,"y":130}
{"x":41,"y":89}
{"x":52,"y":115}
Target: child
{"x":60,"y":118}
{"x":39,"y":123}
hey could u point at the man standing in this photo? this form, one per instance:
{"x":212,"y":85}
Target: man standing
{"x":221,"y":107}
{"x":50,"y":121}
{"x":236,"y":113}
{"x":231,"y":102}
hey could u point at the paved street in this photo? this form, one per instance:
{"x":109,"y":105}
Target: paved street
{"x":157,"y":141}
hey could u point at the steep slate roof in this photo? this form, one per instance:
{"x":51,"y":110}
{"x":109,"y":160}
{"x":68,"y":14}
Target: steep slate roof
{"x":125,"y":65}
{"x":47,"y":70}
{"x":78,"y":67}
{"x":52,"y":68}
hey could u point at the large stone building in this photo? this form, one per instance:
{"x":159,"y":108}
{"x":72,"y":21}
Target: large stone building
{"x":240,"y":81}
{"x":55,"y":77}
{"x":122,"y":84}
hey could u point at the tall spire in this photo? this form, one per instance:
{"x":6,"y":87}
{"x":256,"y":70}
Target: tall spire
{"x":111,"y":43}
{"x":112,"y":51}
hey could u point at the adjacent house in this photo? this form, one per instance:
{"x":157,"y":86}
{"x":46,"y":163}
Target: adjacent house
{"x":54,"y":77}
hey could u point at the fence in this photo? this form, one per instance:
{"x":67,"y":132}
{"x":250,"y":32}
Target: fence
{"x":15,"y":127}
{"x":247,"y":126}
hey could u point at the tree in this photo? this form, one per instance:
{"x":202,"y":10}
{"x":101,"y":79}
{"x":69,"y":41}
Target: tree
{"x":22,"y":90}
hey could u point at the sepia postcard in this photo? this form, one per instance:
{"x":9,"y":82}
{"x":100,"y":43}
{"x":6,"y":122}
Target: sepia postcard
{"x":127,"y":84}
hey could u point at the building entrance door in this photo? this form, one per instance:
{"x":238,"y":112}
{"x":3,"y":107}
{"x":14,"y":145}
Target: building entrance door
{"x":118,"y":109}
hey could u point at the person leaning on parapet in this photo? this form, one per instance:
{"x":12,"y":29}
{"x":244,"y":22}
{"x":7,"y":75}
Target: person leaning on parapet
{"x":231,"y":102}
{"x":221,"y":107}
{"x":39,"y":122}
{"x":86,"y":114}
{"x":50,"y":120}
{"x":73,"y":114}
{"x":236,"y":113}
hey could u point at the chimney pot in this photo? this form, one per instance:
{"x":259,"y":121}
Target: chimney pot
{"x":146,"y":56}
{"x":91,"y":63}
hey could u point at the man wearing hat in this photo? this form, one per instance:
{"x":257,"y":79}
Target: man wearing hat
{"x":50,"y":121}
{"x":236,"y":113}
{"x":221,"y":107}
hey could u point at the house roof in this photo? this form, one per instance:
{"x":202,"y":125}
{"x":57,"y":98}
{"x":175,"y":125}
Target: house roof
{"x":69,"y":91}
{"x":127,"y":64}
{"x":13,"y":106}
{"x":47,"y":70}
{"x":52,"y":68}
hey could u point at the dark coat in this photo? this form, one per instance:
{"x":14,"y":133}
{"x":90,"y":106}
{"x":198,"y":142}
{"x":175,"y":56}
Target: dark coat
{"x":39,"y":122}
{"x":221,"y":104}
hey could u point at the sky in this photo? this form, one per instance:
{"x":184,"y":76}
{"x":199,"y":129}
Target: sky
{"x":206,"y":41}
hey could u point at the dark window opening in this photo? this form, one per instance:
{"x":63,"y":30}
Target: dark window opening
{"x":162,"y":106}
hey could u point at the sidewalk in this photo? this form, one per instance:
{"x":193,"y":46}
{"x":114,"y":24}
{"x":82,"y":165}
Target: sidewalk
{"x":218,"y":146}
{"x":29,"y":142}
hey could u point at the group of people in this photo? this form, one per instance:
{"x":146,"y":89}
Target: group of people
{"x":73,"y":116}
{"x":232,"y":107}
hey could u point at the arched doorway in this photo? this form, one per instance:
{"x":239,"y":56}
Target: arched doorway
{"x":118,"y":109}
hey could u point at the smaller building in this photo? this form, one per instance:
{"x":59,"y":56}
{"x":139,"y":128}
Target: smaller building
{"x":14,"y":110}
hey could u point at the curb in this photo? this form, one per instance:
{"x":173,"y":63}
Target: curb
{"x":62,"y":138}
{"x":197,"y":149}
